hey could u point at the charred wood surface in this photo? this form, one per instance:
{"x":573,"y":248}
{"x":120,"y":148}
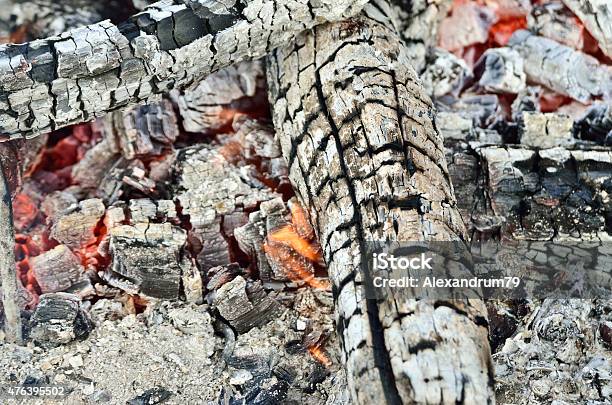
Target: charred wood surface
{"x":596,"y":15}
{"x":8,"y":275}
{"x":357,"y":131}
{"x":561,"y":68}
{"x":418,"y":25}
{"x":85,"y":72}
{"x":59,"y":319}
{"x":532,"y":194}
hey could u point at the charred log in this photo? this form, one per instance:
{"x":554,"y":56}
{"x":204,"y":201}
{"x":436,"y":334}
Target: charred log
{"x":8,"y":275}
{"x":555,"y":21}
{"x":596,"y":124}
{"x":356,"y":129}
{"x":245,"y":305}
{"x":529,"y":194}
{"x":86,"y":72}
{"x":560,"y":68}
{"x":596,"y":15}
{"x":60,"y":270}
{"x":418,"y":24}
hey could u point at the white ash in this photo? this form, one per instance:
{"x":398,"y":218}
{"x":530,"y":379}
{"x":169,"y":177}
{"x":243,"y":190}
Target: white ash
{"x":561,"y":68}
{"x":173,"y":348}
{"x":445,"y":74}
{"x":503,"y":71}
{"x":596,"y":15}
{"x":557,"y":356}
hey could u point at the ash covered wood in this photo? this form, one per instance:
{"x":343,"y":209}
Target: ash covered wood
{"x":356,"y":129}
{"x":596,"y":15}
{"x":502,"y":71}
{"x":555,"y":21}
{"x":212,"y":103}
{"x":59,"y":319}
{"x":216,"y":194}
{"x":145,"y":129}
{"x":546,"y":130}
{"x":560,"y":68}
{"x":445,"y":74}
{"x":527,"y":100}
{"x":93,"y":170}
{"x":244,"y":304}
{"x":534,"y":194}
{"x":42,"y":18}
{"x":252,"y":235}
{"x":59,"y":269}
{"x":418,"y":24}
{"x":88,"y":71}
{"x":484,"y":110}
{"x":8,"y":275}
{"x":454,"y":126}
{"x":148,"y":257}
{"x":75,"y":229}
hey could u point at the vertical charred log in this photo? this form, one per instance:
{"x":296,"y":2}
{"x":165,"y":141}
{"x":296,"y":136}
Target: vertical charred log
{"x":364,"y":155}
{"x":8,"y":274}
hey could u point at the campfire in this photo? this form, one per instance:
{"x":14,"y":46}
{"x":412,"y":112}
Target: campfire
{"x":208,"y":177}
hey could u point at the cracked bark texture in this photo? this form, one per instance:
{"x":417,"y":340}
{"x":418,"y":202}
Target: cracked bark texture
{"x":85,"y":72}
{"x":419,"y":21}
{"x":364,"y":155}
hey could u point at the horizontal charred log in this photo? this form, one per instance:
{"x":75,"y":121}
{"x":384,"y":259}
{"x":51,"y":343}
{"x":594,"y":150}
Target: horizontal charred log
{"x":561,"y":68}
{"x":85,"y":72}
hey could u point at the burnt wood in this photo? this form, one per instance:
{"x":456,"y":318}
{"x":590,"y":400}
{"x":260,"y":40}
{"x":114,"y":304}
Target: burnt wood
{"x":85,"y":72}
{"x":356,"y":129}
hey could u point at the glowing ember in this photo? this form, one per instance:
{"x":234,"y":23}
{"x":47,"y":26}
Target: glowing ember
{"x":90,"y":254}
{"x":50,"y":171}
{"x":295,"y":250}
{"x":501,"y":31}
{"x":303,"y":247}
{"x":25,"y":211}
{"x":24,"y":249}
{"x":319,"y":355}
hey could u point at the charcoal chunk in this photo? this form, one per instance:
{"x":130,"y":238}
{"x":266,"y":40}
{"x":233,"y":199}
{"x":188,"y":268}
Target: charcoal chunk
{"x":59,"y":319}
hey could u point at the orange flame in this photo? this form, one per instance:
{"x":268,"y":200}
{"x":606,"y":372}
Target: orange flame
{"x":293,"y":264}
{"x":293,"y":248}
{"x":319,"y":355}
{"x":288,"y":235}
